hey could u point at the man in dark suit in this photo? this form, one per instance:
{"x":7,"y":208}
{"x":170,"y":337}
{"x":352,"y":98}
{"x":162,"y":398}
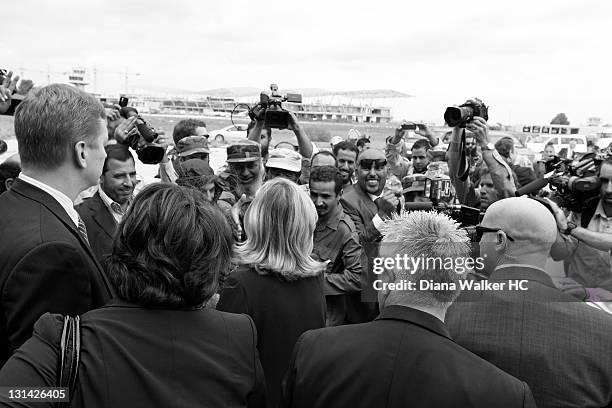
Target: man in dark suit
{"x":46,"y":264}
{"x":557,"y":344}
{"x":367,"y":207}
{"x":405,"y":358}
{"x":104,"y":211}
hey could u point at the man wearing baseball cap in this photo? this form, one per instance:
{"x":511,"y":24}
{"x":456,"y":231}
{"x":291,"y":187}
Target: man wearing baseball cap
{"x":284,"y":163}
{"x":243,"y":178}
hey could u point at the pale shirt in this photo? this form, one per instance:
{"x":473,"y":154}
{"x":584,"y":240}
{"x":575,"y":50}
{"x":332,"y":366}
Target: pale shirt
{"x":377,"y":221}
{"x":109,"y":204}
{"x":586,"y":265}
{"x":60,"y":197}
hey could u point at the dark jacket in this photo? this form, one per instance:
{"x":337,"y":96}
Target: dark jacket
{"x":282,"y":311}
{"x":137,"y":357}
{"x":357,"y":204}
{"x":555,"y":343}
{"x":46,"y":266}
{"x":405,"y":358}
{"x":101,"y":226}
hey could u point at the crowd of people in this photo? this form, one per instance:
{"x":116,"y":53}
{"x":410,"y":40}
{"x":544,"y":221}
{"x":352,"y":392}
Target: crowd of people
{"x":253,"y":285}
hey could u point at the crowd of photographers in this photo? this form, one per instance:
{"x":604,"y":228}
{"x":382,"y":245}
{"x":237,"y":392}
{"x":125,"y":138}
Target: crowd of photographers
{"x":252,"y":285}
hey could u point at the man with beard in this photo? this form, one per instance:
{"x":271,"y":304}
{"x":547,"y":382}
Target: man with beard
{"x":105,"y":210}
{"x":336,"y":242}
{"x":346,"y":153}
{"x":368,"y":207}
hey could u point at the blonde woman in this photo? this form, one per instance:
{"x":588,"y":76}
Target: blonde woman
{"x":277,"y":283}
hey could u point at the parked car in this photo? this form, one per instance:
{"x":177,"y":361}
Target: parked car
{"x":537,"y":143}
{"x":229,"y":134}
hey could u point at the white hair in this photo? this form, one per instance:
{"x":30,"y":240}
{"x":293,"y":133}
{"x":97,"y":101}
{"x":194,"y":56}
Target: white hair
{"x":430,"y":236}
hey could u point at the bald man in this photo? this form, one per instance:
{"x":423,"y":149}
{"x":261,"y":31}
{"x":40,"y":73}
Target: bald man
{"x":368,"y":207}
{"x":529,"y":328}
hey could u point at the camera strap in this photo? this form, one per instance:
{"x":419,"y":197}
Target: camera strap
{"x":463,"y":170}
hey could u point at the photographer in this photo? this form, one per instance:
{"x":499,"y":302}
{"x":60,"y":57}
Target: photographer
{"x":263,"y":135}
{"x":586,"y":238}
{"x":420,"y":150}
{"x":500,"y":171}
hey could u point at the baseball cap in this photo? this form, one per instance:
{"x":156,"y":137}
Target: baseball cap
{"x":285,"y":159}
{"x":192,"y":144}
{"x":335,"y":140}
{"x":245,"y":151}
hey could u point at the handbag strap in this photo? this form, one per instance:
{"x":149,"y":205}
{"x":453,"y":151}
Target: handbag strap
{"x":69,"y":357}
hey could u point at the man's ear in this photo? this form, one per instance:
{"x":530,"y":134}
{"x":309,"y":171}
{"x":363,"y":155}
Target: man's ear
{"x":8,"y":183}
{"x":80,"y":154}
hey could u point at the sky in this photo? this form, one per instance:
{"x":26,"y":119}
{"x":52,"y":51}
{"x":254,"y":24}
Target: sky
{"x":528,"y":60}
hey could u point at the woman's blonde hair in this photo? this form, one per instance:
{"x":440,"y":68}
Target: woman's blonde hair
{"x":279,"y":225}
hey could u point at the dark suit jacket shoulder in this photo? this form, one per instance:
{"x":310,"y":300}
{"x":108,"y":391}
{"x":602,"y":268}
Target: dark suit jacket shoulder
{"x":361,"y":209}
{"x":100,"y":224}
{"x":403,"y":358}
{"x":557,"y":344}
{"x":45,"y":265}
{"x":138,"y":357}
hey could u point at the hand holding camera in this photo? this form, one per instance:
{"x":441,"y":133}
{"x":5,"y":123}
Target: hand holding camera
{"x":7,"y":87}
{"x":126,"y":130}
{"x":478,"y":126}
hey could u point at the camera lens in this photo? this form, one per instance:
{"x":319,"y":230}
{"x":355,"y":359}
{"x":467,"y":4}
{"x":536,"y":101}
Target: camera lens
{"x":452,"y":116}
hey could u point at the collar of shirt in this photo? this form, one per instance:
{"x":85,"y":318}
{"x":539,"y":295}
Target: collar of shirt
{"x":600,"y":212}
{"x":373,"y":197}
{"x":520,"y":266}
{"x":60,"y":197}
{"x":109,"y":202}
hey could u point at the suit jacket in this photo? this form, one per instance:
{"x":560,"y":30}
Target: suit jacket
{"x":405,"y":358}
{"x":361,"y":209}
{"x":133,"y":356}
{"x":45,"y":265}
{"x":557,"y":344}
{"x":100,"y":224}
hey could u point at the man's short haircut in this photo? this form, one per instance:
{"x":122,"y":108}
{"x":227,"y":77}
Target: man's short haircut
{"x":324,"y":153}
{"x":362,"y":142}
{"x":170,"y":248}
{"x":186,"y":127}
{"x":504,"y":146}
{"x":346,"y":145}
{"x":8,"y":169}
{"x":325,"y":174}
{"x":118,"y":152}
{"x":434,"y":238}
{"x":51,"y":120}
{"x":607,"y":160}
{"x":421,"y":144}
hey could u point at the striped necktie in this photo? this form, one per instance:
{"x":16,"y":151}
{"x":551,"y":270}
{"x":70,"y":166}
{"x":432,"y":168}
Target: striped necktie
{"x":117,"y":208}
{"x":82,"y":230}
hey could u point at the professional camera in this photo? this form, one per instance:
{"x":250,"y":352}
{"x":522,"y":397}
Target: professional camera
{"x":142,"y":142}
{"x":270,"y":110}
{"x":572,"y":182}
{"x":463,"y":114}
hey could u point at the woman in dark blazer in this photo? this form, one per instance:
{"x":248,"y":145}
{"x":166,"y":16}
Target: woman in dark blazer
{"x":277,"y":283}
{"x":156,"y":346}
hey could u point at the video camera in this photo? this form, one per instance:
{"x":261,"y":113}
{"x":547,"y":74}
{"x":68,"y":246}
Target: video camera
{"x":463,"y":114}
{"x":143,"y":142}
{"x":270,"y":110}
{"x":572,"y":182}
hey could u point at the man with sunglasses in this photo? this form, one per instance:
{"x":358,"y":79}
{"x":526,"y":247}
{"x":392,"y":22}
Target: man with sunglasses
{"x":368,"y":207}
{"x":559,"y":346}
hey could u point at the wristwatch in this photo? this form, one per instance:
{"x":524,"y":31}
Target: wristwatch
{"x":570,"y":228}
{"x":488,"y":146}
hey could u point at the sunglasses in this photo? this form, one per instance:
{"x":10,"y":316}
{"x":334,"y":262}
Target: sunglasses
{"x":481,"y":230}
{"x":379,"y":164}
